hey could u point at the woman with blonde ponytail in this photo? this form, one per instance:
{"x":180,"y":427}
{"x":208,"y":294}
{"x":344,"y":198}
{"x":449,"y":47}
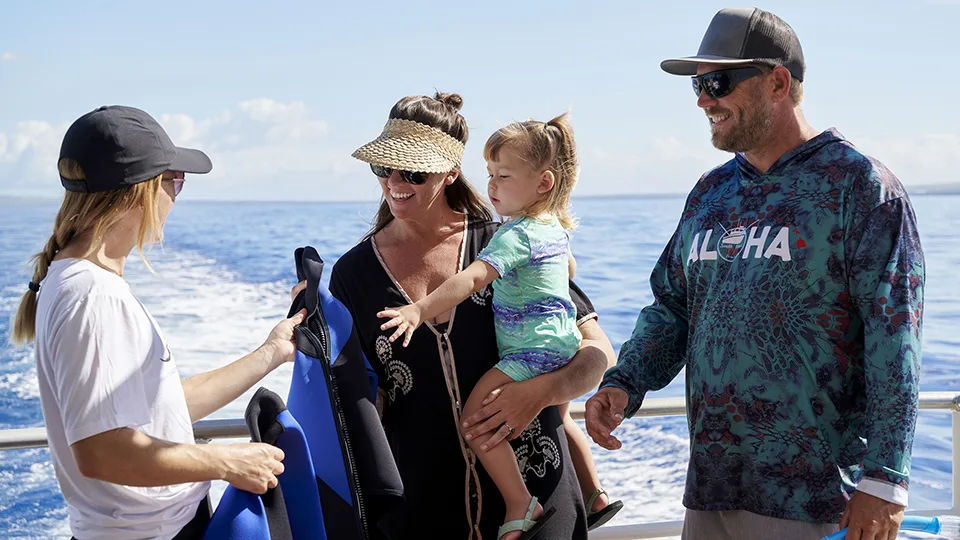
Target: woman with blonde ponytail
{"x":85,"y":212}
{"x":118,"y":417}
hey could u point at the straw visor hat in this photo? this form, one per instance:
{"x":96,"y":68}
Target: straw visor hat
{"x":412,"y":146}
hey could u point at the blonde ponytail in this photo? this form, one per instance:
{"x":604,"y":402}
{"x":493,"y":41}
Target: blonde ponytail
{"x":546,"y":146}
{"x":79,"y":213}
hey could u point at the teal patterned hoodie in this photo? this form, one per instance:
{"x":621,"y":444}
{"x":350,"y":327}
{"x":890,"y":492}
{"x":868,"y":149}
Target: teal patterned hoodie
{"x":794,"y":299}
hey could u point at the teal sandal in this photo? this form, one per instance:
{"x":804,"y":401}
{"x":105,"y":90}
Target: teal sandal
{"x":605,"y":514}
{"x":529,"y":527}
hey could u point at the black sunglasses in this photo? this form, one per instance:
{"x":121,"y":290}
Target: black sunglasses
{"x":718,"y":84}
{"x":410,"y":177}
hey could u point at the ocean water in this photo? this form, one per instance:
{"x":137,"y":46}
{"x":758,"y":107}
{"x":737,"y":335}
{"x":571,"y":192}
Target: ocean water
{"x":223,"y":275}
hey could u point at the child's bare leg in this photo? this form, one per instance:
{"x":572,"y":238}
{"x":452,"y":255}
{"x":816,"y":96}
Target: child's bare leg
{"x":582,"y":461}
{"x":499,"y":461}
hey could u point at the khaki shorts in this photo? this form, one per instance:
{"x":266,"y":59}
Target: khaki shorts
{"x":742,"y":525}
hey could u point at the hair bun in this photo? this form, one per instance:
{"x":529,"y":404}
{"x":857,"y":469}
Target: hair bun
{"x":453,"y":100}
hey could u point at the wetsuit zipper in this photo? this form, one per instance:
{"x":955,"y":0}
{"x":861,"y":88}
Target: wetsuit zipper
{"x":320,"y":342}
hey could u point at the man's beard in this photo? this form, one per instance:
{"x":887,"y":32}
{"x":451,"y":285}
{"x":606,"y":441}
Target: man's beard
{"x":750,"y":131}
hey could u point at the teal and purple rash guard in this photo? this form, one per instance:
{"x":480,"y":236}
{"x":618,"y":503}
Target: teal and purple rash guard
{"x":794,"y":299}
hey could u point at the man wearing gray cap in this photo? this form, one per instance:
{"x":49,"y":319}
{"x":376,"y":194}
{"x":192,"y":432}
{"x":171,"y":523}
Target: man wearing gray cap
{"x":792,"y":292}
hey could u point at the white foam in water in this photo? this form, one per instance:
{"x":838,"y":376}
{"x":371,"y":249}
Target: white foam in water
{"x":19,"y":372}
{"x":21,"y":376}
{"x":647,"y":473}
{"x":210,"y":317}
{"x":28,"y":482}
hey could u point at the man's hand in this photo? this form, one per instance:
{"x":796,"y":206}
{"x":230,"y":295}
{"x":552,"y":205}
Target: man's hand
{"x":406,"y":319}
{"x":604,"y":412}
{"x":871,"y":518}
{"x":514,"y":404}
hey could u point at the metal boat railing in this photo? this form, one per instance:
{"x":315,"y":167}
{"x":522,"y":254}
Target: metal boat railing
{"x":12,"y":439}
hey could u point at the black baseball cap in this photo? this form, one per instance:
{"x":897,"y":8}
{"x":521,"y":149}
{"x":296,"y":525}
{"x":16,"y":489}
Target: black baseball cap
{"x":119,"y":146}
{"x":741,"y":36}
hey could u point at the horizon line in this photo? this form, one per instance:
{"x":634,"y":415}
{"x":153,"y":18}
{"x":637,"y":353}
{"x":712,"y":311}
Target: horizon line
{"x":919,"y":191}
{"x":345,"y":201}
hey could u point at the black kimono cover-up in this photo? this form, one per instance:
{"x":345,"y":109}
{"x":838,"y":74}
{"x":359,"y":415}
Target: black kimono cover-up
{"x":426,"y":384}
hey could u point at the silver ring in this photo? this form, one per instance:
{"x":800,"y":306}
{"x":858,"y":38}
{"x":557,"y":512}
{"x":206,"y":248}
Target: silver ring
{"x":509,"y":429}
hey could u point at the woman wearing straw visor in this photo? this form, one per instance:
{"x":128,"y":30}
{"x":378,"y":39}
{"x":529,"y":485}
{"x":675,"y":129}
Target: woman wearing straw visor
{"x":432,"y":224}
{"x":117,"y":415}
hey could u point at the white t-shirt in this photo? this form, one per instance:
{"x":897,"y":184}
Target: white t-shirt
{"x":103,"y":364}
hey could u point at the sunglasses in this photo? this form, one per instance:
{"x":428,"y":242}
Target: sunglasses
{"x":718,"y":84}
{"x":410,"y":177}
{"x":177,"y":179}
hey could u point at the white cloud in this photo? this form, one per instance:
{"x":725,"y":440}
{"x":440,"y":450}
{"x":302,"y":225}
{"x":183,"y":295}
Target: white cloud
{"x":672,"y":149}
{"x":920,"y":160}
{"x":270,"y":111}
{"x":28,"y":156}
{"x":668,"y":163}
{"x":286,"y":120}
{"x":268,"y":149}
{"x":9,"y":57}
{"x":650,"y":164}
{"x":261,"y":149}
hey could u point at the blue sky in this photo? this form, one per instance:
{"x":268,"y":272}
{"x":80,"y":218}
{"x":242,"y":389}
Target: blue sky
{"x":280,"y":95}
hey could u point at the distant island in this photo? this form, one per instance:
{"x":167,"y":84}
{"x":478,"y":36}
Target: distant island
{"x":935,"y":189}
{"x":54,"y":197}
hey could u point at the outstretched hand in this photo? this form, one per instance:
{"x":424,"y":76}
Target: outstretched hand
{"x":405,"y":319}
{"x":282,"y":337}
{"x":604,"y":412}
